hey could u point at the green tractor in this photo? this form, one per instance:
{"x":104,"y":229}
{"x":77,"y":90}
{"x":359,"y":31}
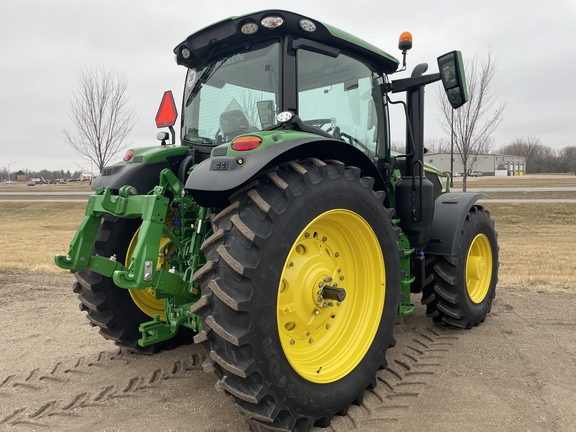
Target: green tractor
{"x":282,"y":233}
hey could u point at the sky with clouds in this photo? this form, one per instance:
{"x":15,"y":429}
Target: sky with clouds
{"x":43,"y":45}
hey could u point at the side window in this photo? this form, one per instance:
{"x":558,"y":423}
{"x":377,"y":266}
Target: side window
{"x":337,"y":95}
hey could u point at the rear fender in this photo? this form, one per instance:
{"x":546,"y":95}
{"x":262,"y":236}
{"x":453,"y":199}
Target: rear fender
{"x":450,"y":211}
{"x":214,"y":180}
{"x":143,"y":171}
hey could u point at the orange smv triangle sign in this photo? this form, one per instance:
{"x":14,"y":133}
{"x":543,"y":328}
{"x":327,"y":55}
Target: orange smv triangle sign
{"x":167,"y":113}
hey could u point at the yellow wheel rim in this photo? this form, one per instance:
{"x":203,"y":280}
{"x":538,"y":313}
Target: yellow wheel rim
{"x":324,"y":339}
{"x":479,"y":268}
{"x":146,"y":299}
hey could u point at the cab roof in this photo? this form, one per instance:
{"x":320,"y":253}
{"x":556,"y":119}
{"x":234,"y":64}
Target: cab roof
{"x":227,"y":33}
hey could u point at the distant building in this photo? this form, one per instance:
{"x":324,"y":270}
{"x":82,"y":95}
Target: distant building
{"x":488,"y":164}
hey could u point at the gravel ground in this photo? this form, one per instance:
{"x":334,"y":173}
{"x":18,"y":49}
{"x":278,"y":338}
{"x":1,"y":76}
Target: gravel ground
{"x":517,"y":371}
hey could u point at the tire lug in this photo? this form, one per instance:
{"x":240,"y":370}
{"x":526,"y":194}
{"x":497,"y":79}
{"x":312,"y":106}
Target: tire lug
{"x":336,"y":254}
{"x":335,"y":285}
{"x":311,"y":340}
{"x":324,"y":305}
{"x":327,"y":326}
{"x":339,"y":270}
{"x":341,"y":278}
{"x":331,"y":304}
{"x":320,"y":284}
{"x":290,"y":264}
{"x":328,"y":279}
{"x":292,"y":341}
{"x":319,"y":298}
{"x":307,"y":235}
{"x":338,"y":304}
{"x":307,"y":333}
{"x":324,"y":239}
{"x":320,"y":292}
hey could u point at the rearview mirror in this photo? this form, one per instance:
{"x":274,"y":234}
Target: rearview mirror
{"x":453,"y":78}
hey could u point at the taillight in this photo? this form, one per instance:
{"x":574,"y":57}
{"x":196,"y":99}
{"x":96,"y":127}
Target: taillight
{"x":129,"y":155}
{"x":246,"y":143}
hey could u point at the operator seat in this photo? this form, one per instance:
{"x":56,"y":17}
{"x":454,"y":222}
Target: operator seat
{"x":233,"y":123}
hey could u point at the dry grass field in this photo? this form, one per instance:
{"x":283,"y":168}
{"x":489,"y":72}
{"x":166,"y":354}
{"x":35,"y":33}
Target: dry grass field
{"x":536,"y":238}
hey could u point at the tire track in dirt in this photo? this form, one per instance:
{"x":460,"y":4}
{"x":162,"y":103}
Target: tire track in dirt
{"x":62,"y":391}
{"x":412,"y":364}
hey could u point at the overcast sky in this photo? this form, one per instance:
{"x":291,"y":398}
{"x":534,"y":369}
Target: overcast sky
{"x":43,"y":45}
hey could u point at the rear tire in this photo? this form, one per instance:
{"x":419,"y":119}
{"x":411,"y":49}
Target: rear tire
{"x":459,"y":289}
{"x":110,"y":307}
{"x":289,"y":361}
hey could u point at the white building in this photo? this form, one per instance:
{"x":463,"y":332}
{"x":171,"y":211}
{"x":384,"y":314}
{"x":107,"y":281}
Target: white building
{"x":488,"y":164}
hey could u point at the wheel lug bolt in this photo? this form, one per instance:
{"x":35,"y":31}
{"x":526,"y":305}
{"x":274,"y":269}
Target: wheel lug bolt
{"x":320,"y":284}
{"x":307,"y":235}
{"x":316,"y":311}
{"x":339,"y":270}
{"x":290,"y":264}
{"x":327,"y":326}
{"x":338,"y":303}
{"x":341,"y":278}
{"x":324,"y":239}
{"x":320,"y":292}
{"x":319,"y":298}
{"x":336,"y":254}
{"x":335,"y":285}
{"x":307,"y":333}
{"x":328,"y":279}
{"x":311,"y":340}
{"x":324,"y":305}
{"x":292,"y":341}
{"x":331,"y":304}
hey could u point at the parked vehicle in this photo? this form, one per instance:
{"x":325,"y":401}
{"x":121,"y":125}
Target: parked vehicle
{"x":476,"y":173}
{"x":282,"y":233}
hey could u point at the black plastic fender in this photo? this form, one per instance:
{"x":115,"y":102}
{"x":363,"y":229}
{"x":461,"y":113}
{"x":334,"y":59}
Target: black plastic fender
{"x":143,"y":176}
{"x":450,"y":211}
{"x":213,"y":180}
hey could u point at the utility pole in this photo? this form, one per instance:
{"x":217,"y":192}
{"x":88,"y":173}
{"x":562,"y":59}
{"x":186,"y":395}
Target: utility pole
{"x":9,"y":183}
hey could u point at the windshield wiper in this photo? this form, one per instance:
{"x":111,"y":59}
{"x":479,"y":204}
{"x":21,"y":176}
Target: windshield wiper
{"x":206,"y":75}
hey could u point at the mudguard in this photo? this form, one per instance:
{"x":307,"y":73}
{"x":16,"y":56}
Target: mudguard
{"x":143,"y":171}
{"x":450,"y":211}
{"x":142,"y":176}
{"x":212,"y":181}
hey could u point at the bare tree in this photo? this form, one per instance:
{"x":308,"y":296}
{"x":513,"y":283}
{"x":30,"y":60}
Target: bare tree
{"x":100,"y":112}
{"x":531,"y":148}
{"x":398,"y":146}
{"x":568,"y":157}
{"x":474,"y":122}
{"x":437,"y":145}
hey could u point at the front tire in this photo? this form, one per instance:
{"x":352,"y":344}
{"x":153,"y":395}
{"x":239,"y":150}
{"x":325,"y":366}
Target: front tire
{"x":118,"y":312}
{"x":290,"y":356}
{"x":459,"y":289}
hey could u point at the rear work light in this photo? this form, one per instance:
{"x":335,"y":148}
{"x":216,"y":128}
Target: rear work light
{"x":246,"y":143}
{"x":272,"y":22}
{"x":249,"y":28}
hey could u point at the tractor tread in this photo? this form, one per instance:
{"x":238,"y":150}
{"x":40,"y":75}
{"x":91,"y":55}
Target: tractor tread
{"x":234,"y":252}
